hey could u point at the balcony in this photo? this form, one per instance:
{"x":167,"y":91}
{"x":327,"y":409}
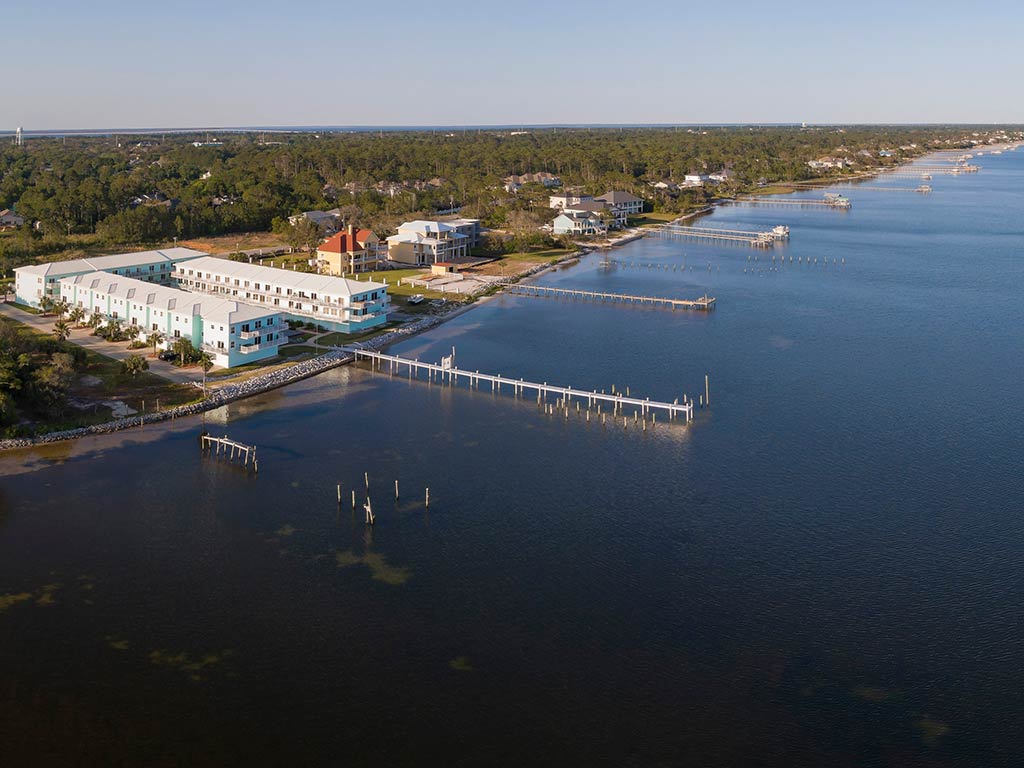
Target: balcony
{"x":256,"y":332}
{"x":250,"y":348}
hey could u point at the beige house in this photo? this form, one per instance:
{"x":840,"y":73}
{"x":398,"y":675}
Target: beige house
{"x":350,"y":251}
{"x":421,"y":243}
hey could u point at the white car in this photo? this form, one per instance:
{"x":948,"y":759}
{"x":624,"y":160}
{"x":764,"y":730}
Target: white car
{"x":417,"y":299}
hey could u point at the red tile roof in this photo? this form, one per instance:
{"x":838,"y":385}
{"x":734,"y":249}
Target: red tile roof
{"x":340,"y":244}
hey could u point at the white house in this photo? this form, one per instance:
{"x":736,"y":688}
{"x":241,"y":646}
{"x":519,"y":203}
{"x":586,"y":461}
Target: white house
{"x":30,"y":282}
{"x":568,"y":199}
{"x":232,"y":332}
{"x":578,"y":223}
{"x":339,"y":304}
{"x":623,"y":204}
{"x":325,"y":220}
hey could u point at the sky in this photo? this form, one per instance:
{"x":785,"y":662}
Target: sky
{"x":116,"y":64}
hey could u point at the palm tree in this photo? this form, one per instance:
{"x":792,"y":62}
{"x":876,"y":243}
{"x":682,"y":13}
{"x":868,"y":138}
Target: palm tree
{"x":133,"y":365}
{"x":61,"y":330}
{"x":60,"y":306}
{"x":113,"y":329}
{"x":207,"y":363}
{"x":157,"y":338}
{"x":46,"y":303}
{"x":76,"y":315}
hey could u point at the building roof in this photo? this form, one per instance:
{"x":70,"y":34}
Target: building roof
{"x":425,"y":227}
{"x":616,"y":197}
{"x":594,"y":206}
{"x":297,"y":281}
{"x":316,"y":216}
{"x":211,"y":308}
{"x":419,"y":237}
{"x":114,"y":261}
{"x":579,"y":216}
{"x":339,"y":243}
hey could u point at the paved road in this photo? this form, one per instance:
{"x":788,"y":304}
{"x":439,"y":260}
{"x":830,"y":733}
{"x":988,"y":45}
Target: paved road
{"x":119,"y":351}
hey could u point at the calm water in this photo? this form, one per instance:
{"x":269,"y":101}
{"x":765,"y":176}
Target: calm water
{"x":824,"y":569}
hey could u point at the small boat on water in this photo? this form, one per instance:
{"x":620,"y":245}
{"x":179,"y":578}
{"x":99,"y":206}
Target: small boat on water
{"x":416,"y":299}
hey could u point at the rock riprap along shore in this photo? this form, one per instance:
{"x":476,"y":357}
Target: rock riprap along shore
{"x":229,"y":392}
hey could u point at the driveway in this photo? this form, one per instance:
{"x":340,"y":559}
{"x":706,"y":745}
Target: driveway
{"x":118,"y":351}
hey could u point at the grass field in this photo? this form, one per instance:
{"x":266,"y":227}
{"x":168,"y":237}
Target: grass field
{"x":245,"y":241}
{"x":652,"y":219}
{"x":535,"y":257}
{"x":101,"y":379}
{"x":394,"y":276}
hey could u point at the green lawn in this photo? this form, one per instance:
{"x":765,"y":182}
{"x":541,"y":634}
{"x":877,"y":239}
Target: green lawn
{"x":652,"y":219}
{"x":99,"y":379}
{"x":25,"y":308}
{"x":295,"y":350}
{"x":340,"y":339}
{"x":549,"y":255}
{"x":393,"y":276}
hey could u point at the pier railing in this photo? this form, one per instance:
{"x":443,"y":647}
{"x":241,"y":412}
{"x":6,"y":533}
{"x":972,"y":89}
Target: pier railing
{"x":756,"y":239}
{"x":704,"y":303}
{"x":447,"y":372}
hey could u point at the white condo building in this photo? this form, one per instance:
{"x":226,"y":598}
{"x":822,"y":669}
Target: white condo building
{"x":32,"y":281}
{"x":339,"y":304}
{"x":232,"y":332}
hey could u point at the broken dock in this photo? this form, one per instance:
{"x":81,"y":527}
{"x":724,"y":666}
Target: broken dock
{"x":225,"y":448}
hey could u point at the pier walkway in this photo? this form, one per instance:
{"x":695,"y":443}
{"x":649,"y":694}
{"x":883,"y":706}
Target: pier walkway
{"x":445,"y":371}
{"x":830,"y":201}
{"x":703,"y":303}
{"x":757,"y":239}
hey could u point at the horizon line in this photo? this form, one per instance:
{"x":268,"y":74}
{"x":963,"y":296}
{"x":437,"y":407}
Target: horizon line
{"x":363,"y":128}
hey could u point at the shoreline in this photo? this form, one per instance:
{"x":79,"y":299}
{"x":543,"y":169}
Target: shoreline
{"x":257,"y":385}
{"x":339,"y":356}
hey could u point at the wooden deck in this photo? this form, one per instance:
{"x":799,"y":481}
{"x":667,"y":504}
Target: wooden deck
{"x":704,"y":303}
{"x":446,"y":372}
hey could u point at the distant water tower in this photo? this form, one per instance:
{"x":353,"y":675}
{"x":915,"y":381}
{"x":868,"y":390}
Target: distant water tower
{"x":19,"y":139}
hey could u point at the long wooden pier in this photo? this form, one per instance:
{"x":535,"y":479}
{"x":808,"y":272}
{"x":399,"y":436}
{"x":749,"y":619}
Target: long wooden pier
{"x":224,"y":447}
{"x":445,"y":371}
{"x":924,"y":188}
{"x":830,"y":201}
{"x":757,"y":239}
{"x":703,"y":303}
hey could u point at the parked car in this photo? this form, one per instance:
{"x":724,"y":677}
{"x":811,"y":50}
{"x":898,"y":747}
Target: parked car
{"x":167,"y":355}
{"x":417,"y":299}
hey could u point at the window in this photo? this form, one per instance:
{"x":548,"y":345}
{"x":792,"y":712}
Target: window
{"x":177,"y":333}
{"x":155,"y":327}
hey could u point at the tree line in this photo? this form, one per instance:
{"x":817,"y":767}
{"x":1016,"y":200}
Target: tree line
{"x":151,"y":188}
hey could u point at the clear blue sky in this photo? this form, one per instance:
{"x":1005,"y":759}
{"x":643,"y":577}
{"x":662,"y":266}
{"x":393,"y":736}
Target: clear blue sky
{"x":394,"y":62}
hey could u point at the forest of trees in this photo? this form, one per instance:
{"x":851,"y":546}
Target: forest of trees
{"x":142,"y":189}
